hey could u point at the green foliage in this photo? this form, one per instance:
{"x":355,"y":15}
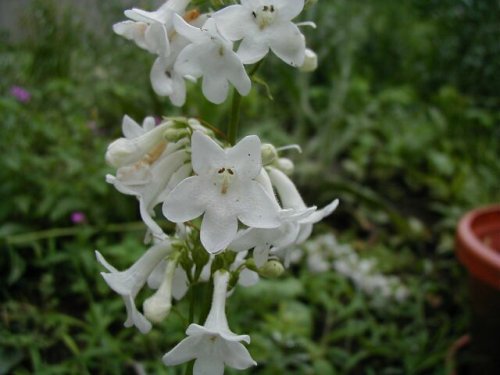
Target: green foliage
{"x":400,"y":122}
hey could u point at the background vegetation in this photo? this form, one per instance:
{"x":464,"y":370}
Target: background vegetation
{"x":400,"y":121}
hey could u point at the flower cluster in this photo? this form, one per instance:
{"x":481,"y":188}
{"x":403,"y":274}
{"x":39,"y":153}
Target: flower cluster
{"x":237,"y":213}
{"x":190,"y":45}
{"x":225,"y":201}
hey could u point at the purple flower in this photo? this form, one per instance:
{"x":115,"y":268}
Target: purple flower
{"x":78,"y":217}
{"x":20,"y":93}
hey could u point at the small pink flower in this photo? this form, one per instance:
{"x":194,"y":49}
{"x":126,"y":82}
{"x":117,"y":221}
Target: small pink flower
{"x":78,"y":217}
{"x":20,"y":93}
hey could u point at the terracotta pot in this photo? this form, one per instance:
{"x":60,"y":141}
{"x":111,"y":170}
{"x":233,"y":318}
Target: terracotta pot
{"x":478,"y":248}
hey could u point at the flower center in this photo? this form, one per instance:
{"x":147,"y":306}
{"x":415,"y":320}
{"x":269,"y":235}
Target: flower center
{"x":224,"y":177}
{"x":264,"y":15}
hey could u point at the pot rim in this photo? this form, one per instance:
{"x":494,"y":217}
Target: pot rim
{"x":481,"y":260}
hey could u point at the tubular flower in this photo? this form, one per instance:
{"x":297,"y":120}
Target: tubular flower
{"x":129,"y":282}
{"x":210,"y":56}
{"x":149,"y":30}
{"x":150,"y":167}
{"x":212,"y":345}
{"x":264,"y":25}
{"x":223,"y":190}
{"x":290,"y":198}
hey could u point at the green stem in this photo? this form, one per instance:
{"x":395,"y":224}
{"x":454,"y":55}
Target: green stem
{"x":234,"y":116}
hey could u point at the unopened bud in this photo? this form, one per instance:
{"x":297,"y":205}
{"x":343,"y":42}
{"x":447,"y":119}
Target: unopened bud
{"x":158,"y":306}
{"x":269,"y":153}
{"x":285,"y":165}
{"x":310,"y":61}
{"x":174,"y":135}
{"x":156,"y":309}
{"x":272,"y":269}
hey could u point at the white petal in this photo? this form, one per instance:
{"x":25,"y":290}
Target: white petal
{"x":161,"y":83}
{"x":180,"y":284}
{"x":218,"y":229}
{"x":133,"y":31}
{"x":148,"y":123}
{"x":196,"y":330}
{"x":190,"y":61}
{"x":104,"y":262}
{"x":304,"y":233}
{"x":260,"y":255}
{"x":139,"y":15}
{"x":179,"y":175}
{"x":258,"y":209}
{"x":130,"y":128}
{"x":265,"y":181}
{"x":288,"y":9}
{"x":215,"y":89}
{"x":130,"y":281}
{"x":184,"y":351}
{"x":156,"y":277}
{"x":288,"y":43}
{"x":245,"y":240}
{"x":206,"y":154}
{"x":248,"y":278}
{"x":236,"y":73}
{"x":157,"y":40}
{"x":178,"y":95}
{"x":185,"y":202}
{"x":234,"y":21}
{"x":252,"y":49}
{"x":192,"y":33}
{"x":320,"y":214}
{"x":134,"y":317}
{"x":237,"y":356}
{"x":287,"y":191}
{"x":208,"y":366}
{"x":246,"y":157}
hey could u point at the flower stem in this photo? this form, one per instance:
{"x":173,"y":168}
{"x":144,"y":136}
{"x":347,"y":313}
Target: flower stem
{"x":234,"y":116}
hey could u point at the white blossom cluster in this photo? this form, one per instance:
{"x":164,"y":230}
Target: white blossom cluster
{"x":190,"y":45}
{"x":324,"y":253}
{"x":225,"y":202}
{"x":237,"y":213}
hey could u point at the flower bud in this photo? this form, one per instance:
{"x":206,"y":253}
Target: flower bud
{"x":272,"y":269}
{"x":156,"y":309}
{"x":285,"y":165}
{"x":174,"y":135}
{"x":125,"y":151}
{"x":310,"y":61}
{"x":158,"y":306}
{"x":269,"y":153}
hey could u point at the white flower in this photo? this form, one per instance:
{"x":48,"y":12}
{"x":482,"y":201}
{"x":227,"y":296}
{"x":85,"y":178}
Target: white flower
{"x":129,"y":282}
{"x":290,"y":198}
{"x":157,"y":307}
{"x":210,"y":56}
{"x":137,"y":142}
{"x":296,"y":221}
{"x":223,"y":190}
{"x":150,"y":167}
{"x":149,"y":30}
{"x":213,"y":345}
{"x":165,"y":80}
{"x":263,"y":241}
{"x":264,"y":25}
{"x":310,"y":61}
